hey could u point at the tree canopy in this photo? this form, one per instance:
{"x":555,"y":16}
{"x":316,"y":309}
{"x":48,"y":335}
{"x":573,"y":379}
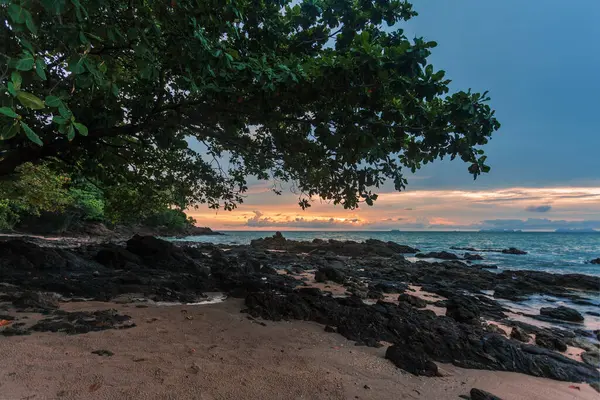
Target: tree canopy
{"x":329,"y":95}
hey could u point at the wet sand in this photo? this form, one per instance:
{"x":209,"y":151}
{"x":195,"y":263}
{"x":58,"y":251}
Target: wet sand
{"x":214,"y":352}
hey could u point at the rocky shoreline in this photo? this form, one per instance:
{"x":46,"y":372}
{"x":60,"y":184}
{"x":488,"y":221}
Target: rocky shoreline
{"x":279,"y":280}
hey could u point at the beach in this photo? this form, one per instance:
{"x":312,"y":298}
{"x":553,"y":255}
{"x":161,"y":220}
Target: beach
{"x":285,"y":319}
{"x":219,"y":353}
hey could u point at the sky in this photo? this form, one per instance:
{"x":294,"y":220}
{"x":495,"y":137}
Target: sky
{"x":540,"y":63}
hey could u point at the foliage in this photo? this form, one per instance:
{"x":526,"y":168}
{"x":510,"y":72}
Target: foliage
{"x":88,"y":201}
{"x":8,"y":217}
{"x":172,"y":219}
{"x":36,"y":188}
{"x":314,"y":92}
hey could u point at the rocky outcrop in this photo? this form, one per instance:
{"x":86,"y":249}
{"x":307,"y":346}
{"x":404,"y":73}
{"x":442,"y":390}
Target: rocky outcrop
{"x":463,"y":309}
{"x":412,"y":300}
{"x":513,"y":250}
{"x":370,"y":247}
{"x":519,"y":334}
{"x":415,"y":363}
{"x":562,"y":313}
{"x":595,"y":261}
{"x":330,"y":274}
{"x":441,"y":255}
{"x":421,"y":333}
{"x":550,"y":342}
{"x":472,"y":257}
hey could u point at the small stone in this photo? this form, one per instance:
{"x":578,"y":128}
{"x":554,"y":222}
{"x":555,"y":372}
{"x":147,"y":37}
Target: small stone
{"x":103,"y":353}
{"x":478,"y":394}
{"x":367,"y":387}
{"x":519,"y":334}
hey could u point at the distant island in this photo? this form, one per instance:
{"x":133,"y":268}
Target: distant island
{"x":501,"y":230}
{"x":576,"y":230}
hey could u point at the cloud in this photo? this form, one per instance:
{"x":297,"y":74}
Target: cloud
{"x":539,"y":209}
{"x":261,"y":221}
{"x":539,"y":224}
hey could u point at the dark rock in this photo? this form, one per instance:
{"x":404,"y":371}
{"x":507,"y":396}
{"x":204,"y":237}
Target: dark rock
{"x":550,"y":342}
{"x":375,"y":295}
{"x":495,"y":329}
{"x":478,"y":394}
{"x":472,"y":257}
{"x":371,"y":247}
{"x":330,"y":329}
{"x":83,"y":322}
{"x":442,"y":255}
{"x":591,"y":358}
{"x":115,"y":256}
{"x":595,"y":261}
{"x":513,"y":250}
{"x":597,"y":333}
{"x":463,"y":309}
{"x":268,"y":270}
{"x":593,"y":313}
{"x":103,"y":353}
{"x":309,"y":291}
{"x":36,"y":301}
{"x":519,"y":334}
{"x":330,"y":274}
{"x":562,"y":313}
{"x":417,"y":363}
{"x":412,"y":300}
{"x":421,"y":334}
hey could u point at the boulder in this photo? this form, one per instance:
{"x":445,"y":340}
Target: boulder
{"x":562,"y":313}
{"x":595,"y":261}
{"x":550,"y":342}
{"x":472,"y":257}
{"x":463,"y":309}
{"x":412,"y":300}
{"x":591,"y":358}
{"x":330,"y":274}
{"x":513,"y":250}
{"x":519,"y":334}
{"x":442,"y":255}
{"x":478,"y":394}
{"x":36,"y":301}
{"x":415,"y":362}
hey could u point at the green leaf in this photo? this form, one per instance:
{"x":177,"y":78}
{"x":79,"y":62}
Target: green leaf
{"x":29,"y":23}
{"x":82,"y":38}
{"x":26,"y":44}
{"x":16,"y":13}
{"x":53,"y":101}
{"x":71,"y":133}
{"x":11,"y":89}
{"x":16,"y":79}
{"x":39,"y":68}
{"x":25,"y":63}
{"x":9,"y":112}
{"x":115,"y":89}
{"x":30,"y":101}
{"x":76,"y":66}
{"x":31,"y":135}
{"x":102,"y":67}
{"x":11,"y":132}
{"x":59,"y":120}
{"x":65,"y":112}
{"x":82,"y":129}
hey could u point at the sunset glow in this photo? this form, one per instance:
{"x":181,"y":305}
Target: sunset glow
{"x":569,"y":207}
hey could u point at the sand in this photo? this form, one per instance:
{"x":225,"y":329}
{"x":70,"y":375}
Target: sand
{"x":217,"y":353}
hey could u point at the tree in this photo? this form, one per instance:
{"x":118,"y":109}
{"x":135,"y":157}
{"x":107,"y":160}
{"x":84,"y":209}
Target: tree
{"x":319,"y":93}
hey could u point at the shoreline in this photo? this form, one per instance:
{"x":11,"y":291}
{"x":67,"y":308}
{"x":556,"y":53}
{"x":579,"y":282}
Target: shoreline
{"x":373,"y":298}
{"x":220,"y":354}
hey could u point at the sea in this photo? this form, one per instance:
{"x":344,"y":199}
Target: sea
{"x":553,"y":252}
{"x":547,"y":251}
